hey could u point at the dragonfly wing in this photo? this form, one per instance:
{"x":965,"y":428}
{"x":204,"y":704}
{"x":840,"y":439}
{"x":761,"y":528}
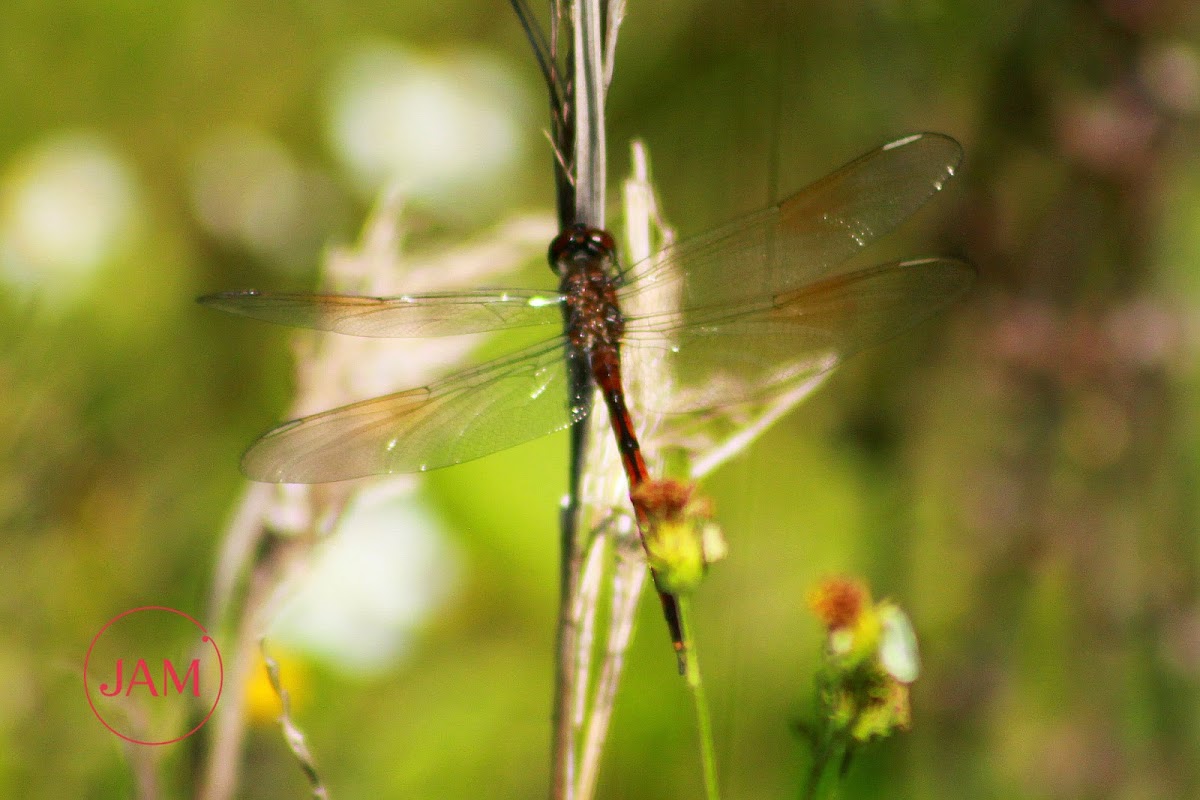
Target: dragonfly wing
{"x":417,"y":315}
{"x":468,"y":415}
{"x":740,"y":353}
{"x":808,"y":234}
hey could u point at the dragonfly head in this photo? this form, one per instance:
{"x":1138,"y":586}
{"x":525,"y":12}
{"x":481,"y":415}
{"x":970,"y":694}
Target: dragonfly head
{"x":579,"y":243}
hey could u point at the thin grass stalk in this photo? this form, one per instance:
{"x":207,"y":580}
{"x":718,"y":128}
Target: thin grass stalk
{"x":695,"y":681}
{"x":590,"y":143}
{"x":628,"y":570}
{"x":296,"y":740}
{"x":584,"y":102}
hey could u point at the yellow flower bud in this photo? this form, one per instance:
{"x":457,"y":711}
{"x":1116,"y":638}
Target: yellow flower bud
{"x":679,"y":533}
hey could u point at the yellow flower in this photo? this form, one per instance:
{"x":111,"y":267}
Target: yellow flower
{"x":871,"y":658}
{"x":679,"y":533}
{"x":262,"y":702}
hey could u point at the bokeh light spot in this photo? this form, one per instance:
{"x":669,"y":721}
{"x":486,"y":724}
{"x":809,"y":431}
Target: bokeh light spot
{"x":443,"y":130}
{"x":247,"y":189}
{"x":370,"y":587}
{"x":67,"y":205}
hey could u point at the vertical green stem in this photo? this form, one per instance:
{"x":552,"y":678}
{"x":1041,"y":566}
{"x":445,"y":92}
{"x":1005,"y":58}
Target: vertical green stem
{"x":708,"y":755}
{"x":830,"y":746}
{"x":822,"y":754}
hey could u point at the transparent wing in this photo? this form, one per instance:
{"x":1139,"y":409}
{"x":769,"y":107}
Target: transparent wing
{"x":468,"y":415}
{"x":736,"y":353}
{"x":808,"y":234}
{"x":418,"y":315}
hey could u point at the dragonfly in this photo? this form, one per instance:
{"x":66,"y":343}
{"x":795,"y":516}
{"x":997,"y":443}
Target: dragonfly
{"x":764,"y":302}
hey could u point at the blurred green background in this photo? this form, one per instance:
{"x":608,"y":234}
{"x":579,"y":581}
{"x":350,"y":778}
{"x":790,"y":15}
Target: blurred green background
{"x":1019,"y":474}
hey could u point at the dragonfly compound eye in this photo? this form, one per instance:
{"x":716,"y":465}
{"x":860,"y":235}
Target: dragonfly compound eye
{"x":601,"y":242}
{"x":563,"y":245}
{"x":579,"y":241}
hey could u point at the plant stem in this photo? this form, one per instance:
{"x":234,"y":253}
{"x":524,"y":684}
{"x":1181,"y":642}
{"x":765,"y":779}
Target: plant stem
{"x":695,"y":681}
{"x":583,"y":140}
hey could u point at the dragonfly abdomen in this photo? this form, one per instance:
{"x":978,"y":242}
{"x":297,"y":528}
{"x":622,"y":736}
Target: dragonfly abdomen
{"x":606,"y":371}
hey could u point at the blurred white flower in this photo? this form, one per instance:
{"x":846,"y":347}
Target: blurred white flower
{"x":444,"y":130}
{"x":371,"y":586}
{"x":67,"y":205}
{"x":247,"y":188}
{"x":898,"y":651}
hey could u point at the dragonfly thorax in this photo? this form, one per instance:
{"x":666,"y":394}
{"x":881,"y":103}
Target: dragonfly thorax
{"x":583,"y":258}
